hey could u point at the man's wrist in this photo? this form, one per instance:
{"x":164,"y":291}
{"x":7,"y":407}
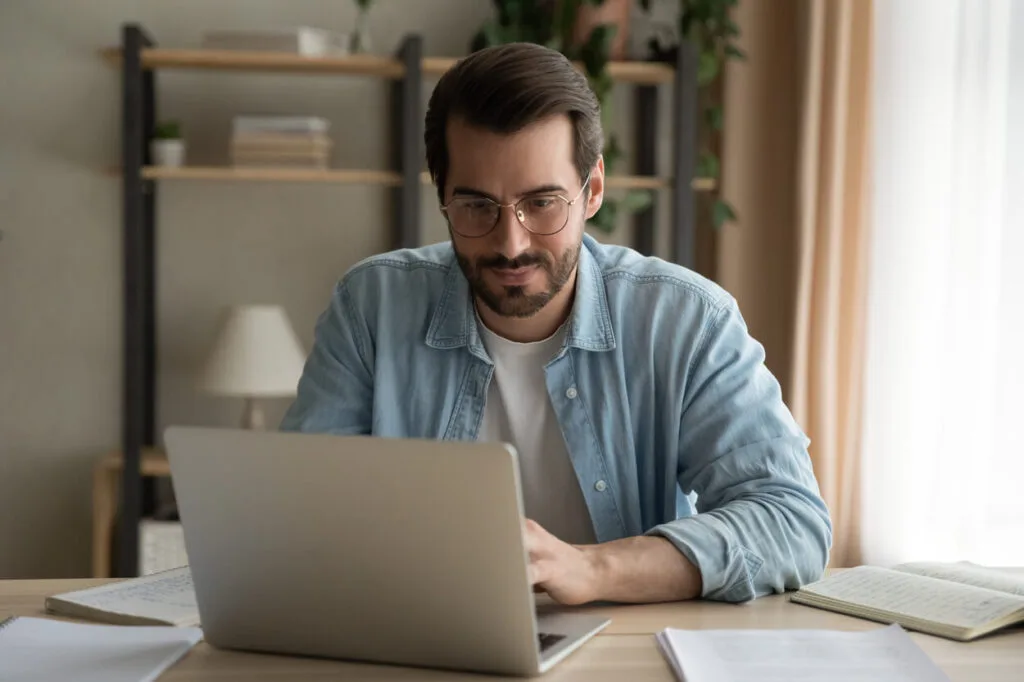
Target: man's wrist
{"x":638,"y":570}
{"x":599,"y":571}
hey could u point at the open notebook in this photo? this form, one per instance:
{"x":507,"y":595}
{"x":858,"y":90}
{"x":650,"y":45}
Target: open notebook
{"x":165,"y":598}
{"x":960,"y":601}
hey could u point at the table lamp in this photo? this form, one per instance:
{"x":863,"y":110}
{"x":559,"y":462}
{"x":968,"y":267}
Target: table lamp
{"x":256,"y":355}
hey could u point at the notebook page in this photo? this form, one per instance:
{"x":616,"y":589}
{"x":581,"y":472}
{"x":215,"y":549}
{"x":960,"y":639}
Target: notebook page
{"x":882,"y":655}
{"x":969,"y":574}
{"x":45,"y":650}
{"x":921,"y":597}
{"x":169,"y":596}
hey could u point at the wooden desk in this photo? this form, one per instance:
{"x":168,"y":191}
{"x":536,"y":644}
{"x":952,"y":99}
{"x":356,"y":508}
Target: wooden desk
{"x":624,"y":651}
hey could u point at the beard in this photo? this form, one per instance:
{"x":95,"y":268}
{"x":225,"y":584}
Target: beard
{"x":514,"y":301}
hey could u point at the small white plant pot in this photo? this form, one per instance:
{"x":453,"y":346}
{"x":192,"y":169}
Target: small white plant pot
{"x":168,"y":152}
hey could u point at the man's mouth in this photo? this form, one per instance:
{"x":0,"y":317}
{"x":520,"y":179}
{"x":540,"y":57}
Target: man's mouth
{"x":514,"y":276}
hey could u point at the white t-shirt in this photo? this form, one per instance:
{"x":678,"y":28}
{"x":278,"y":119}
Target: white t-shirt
{"x":519,"y":411}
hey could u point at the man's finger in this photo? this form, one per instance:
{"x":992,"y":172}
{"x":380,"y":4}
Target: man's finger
{"x":533,"y":538}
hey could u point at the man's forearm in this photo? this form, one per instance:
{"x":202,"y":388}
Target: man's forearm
{"x":642,"y":570}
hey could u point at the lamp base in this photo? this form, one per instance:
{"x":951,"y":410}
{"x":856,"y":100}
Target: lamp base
{"x":253,"y":418}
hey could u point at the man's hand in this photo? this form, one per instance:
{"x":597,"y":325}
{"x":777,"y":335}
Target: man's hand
{"x":564,"y":571}
{"x":631,"y":570}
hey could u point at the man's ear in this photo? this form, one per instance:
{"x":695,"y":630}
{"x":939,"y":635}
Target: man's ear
{"x":596,"y":188}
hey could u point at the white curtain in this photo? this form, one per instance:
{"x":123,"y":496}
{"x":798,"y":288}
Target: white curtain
{"x":943,"y":459}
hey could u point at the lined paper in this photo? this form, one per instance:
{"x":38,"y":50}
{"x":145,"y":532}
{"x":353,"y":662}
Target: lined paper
{"x":166,"y":596}
{"x":968,"y":574}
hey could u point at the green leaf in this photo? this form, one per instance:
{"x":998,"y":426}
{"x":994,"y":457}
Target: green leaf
{"x":493,"y":34}
{"x":167,"y":130}
{"x":722,"y":213}
{"x":716,"y":118}
{"x":637,"y":200}
{"x":707,"y":68}
{"x":686,"y":21}
{"x":734,"y":52}
{"x":730,"y":28}
{"x":707,"y":165}
{"x":596,"y":52}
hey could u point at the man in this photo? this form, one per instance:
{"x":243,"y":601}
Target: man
{"x":624,"y":382}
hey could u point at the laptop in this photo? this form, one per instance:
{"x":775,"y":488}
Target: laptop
{"x":397,"y":551}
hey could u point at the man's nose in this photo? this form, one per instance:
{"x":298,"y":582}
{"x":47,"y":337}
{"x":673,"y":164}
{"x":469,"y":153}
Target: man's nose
{"x":510,"y":237}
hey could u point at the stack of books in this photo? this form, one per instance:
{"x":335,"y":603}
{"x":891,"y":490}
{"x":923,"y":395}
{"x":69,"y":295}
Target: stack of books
{"x":280,"y":142}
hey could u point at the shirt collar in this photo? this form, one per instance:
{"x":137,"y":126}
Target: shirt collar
{"x":454,"y":320}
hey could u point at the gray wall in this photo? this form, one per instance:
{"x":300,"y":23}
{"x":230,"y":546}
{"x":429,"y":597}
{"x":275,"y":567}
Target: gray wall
{"x":219,"y":243}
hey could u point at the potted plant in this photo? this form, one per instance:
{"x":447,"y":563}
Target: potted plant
{"x":167,"y":147}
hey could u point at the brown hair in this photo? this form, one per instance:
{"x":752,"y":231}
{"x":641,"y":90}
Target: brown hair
{"x":504,"y":89}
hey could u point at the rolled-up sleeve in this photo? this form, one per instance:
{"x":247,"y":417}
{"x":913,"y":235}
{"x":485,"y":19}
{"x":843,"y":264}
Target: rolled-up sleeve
{"x":761,"y":525}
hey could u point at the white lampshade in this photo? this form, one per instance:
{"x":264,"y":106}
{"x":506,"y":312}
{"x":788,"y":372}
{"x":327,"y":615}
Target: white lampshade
{"x":256,"y":355}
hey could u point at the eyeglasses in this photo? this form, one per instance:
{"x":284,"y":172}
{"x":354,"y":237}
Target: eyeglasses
{"x":541,"y":214}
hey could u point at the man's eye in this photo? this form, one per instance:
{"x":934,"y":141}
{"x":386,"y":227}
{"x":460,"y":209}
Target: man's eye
{"x":542,"y":202}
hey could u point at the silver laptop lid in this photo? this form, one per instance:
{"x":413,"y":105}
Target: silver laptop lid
{"x":396,"y":551}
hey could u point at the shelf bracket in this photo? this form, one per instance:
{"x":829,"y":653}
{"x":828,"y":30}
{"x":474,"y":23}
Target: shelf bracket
{"x":407,"y":144}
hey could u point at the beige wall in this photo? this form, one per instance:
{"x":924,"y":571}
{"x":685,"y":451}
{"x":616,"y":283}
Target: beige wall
{"x":60,"y":269}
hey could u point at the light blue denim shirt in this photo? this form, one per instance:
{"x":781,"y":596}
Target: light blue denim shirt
{"x":659,"y":390}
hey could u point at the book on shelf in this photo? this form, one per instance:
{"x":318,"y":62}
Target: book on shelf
{"x":280,"y":142}
{"x":307,"y":125}
{"x":164,"y":598}
{"x":960,"y":601}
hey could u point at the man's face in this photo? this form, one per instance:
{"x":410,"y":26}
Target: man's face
{"x":512,"y":270}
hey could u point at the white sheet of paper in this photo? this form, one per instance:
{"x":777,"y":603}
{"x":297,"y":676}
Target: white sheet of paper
{"x":45,"y":650}
{"x":886,"y":654}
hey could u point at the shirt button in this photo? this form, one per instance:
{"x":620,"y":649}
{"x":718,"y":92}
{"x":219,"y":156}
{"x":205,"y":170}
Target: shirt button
{"x":600,"y":486}
{"x":571,"y":393}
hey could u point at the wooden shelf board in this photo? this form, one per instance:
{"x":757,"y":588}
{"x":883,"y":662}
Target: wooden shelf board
{"x":153,"y":462}
{"x":643,"y":73}
{"x":646,"y":73}
{"x":232,"y":60}
{"x":369,"y":177}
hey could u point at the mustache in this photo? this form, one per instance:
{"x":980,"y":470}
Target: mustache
{"x":499,"y":262}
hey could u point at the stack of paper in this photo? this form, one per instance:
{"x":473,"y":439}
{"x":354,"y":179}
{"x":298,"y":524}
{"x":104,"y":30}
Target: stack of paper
{"x":280,"y":142}
{"x":881,"y":655}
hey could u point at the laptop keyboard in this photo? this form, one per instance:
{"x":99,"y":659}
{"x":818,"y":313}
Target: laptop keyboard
{"x":548,"y":640}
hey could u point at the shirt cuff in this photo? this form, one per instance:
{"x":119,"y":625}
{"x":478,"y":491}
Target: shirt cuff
{"x":728,"y":570}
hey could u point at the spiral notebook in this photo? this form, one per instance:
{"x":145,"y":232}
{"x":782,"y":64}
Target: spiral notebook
{"x":45,"y":650}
